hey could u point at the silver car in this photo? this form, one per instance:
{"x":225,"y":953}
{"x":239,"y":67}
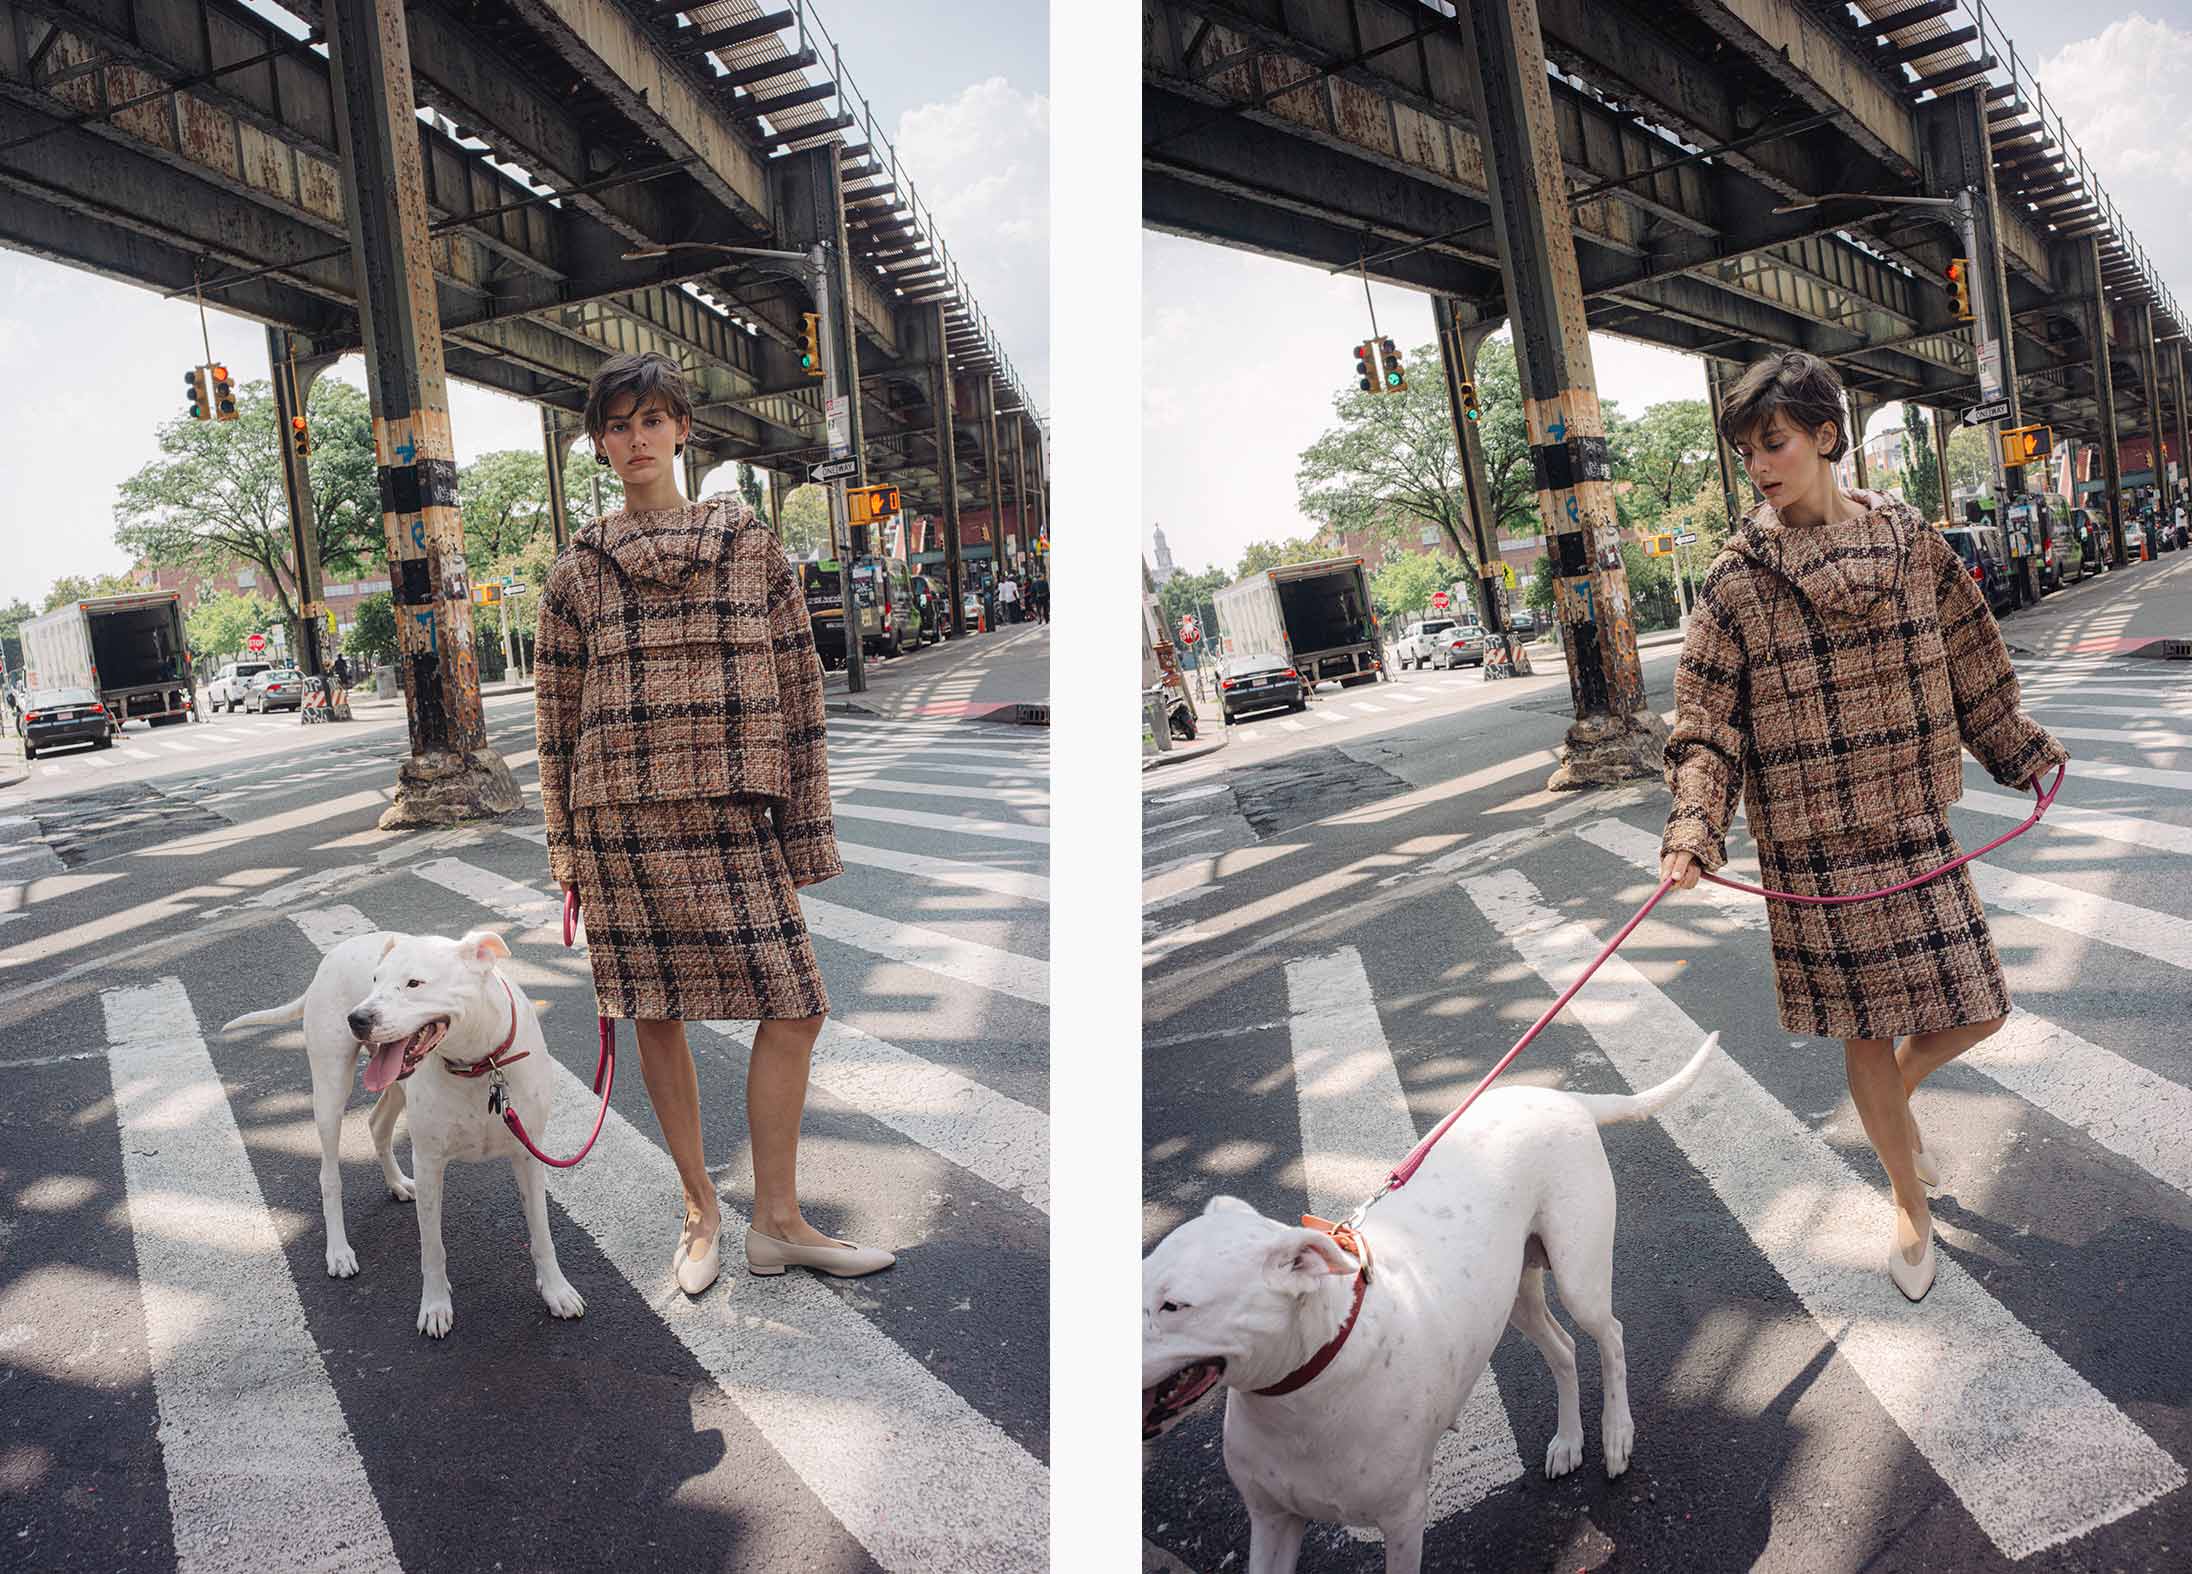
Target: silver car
{"x":1418,"y":644}
{"x":1460,"y":646}
{"x":278,"y":688}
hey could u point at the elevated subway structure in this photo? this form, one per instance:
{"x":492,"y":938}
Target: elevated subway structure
{"x":1346,"y":135}
{"x":191,"y":146}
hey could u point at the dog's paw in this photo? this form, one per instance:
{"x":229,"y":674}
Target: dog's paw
{"x":342,"y":1262}
{"x":562,"y":1300}
{"x":1619,"y":1440}
{"x":403,"y":1188}
{"x":1562,"y":1455}
{"x":435,"y":1317}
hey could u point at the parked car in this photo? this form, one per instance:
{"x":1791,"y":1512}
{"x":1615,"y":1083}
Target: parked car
{"x":1263,"y":681}
{"x":277,"y":688}
{"x":1415,"y":648}
{"x":54,"y":717}
{"x":883,"y":586}
{"x":1463,"y":645}
{"x":229,"y":685}
{"x":1986,"y":559}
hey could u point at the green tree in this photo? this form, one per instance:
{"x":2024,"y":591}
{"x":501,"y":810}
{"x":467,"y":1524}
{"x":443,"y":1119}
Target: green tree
{"x":1404,"y":586}
{"x":218,"y":625}
{"x":214,"y":497}
{"x":1391,"y":465}
{"x":1663,"y":454}
{"x":806,"y":517}
{"x":76,"y":587}
{"x":14,"y":616}
{"x":1922,"y":476}
{"x":1270,"y":554}
{"x":503,"y":497}
{"x":1190,"y":593}
{"x":372,"y":636}
{"x":1970,"y":460}
{"x":749,"y":487}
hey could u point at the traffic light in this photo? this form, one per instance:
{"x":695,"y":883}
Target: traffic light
{"x":868,"y":505}
{"x":201,"y":407}
{"x":224,"y":395}
{"x":1470,"y":409}
{"x":2027,"y":445}
{"x":810,"y":344}
{"x":1396,"y":375}
{"x":1959,"y":286}
{"x":1366,"y":377}
{"x":300,"y":437}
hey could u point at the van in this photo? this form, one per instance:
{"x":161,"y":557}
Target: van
{"x":1986,"y":558}
{"x":885,"y":587}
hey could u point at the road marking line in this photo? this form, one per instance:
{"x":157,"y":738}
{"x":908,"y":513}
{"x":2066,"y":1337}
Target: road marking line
{"x":1014,"y":775}
{"x":2163,"y":937}
{"x":2138,"y":739}
{"x":252,"y":1438}
{"x":952,"y":871}
{"x":2151,"y":834}
{"x":329,"y":927}
{"x":1003,"y":1141}
{"x":2136,"y":775}
{"x":962,"y":825}
{"x":984,"y":966}
{"x":1291,"y":725}
{"x":1327,"y":718}
{"x":2141,"y":712}
{"x":1010,"y":797}
{"x":2117,"y":691}
{"x":1402,"y":697}
{"x":2033,"y":1451}
{"x":1355,"y":1125}
{"x":1365,"y":705}
{"x":521,"y":904}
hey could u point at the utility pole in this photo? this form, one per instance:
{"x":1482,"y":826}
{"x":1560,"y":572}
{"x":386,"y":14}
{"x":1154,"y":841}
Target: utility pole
{"x":820,"y":279}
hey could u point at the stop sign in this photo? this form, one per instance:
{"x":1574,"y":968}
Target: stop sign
{"x":255,"y":643}
{"x":1438,"y":599}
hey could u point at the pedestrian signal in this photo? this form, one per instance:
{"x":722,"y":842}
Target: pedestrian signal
{"x":867,"y":505}
{"x":194,"y":382}
{"x":300,"y":437}
{"x":1470,"y":409}
{"x":2027,"y":445}
{"x":810,"y":344}
{"x":1366,"y":370}
{"x":1959,"y":286}
{"x":1395,"y":375}
{"x":224,"y":395}
{"x":1661,"y":545}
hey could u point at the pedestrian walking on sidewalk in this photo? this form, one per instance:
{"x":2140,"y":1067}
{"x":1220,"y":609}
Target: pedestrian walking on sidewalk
{"x":686,"y":791}
{"x":1838,"y":661}
{"x":1008,"y":598}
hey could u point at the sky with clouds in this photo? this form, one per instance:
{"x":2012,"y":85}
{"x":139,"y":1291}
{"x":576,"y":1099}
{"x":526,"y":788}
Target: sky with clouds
{"x":1242,"y":355}
{"x":99,"y":364}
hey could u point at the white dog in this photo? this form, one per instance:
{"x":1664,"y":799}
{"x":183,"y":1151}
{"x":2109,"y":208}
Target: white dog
{"x":1456,"y":1256}
{"x":421,"y":1004}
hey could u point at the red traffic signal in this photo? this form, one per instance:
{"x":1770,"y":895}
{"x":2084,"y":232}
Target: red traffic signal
{"x":1959,"y":286}
{"x":1366,"y":377}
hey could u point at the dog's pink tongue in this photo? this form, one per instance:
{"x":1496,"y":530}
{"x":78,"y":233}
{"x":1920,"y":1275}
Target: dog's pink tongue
{"x":381,"y":1069}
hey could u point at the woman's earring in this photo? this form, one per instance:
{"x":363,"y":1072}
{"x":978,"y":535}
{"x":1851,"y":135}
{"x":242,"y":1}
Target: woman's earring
{"x":602,"y":460}
{"x":679,"y":449}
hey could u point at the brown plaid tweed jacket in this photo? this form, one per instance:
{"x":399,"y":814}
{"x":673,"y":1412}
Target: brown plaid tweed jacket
{"x":674,"y":660}
{"x":1831,"y":679}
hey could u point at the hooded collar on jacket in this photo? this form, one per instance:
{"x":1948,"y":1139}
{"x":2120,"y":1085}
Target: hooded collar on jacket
{"x":1846,"y":567}
{"x":667,"y":546}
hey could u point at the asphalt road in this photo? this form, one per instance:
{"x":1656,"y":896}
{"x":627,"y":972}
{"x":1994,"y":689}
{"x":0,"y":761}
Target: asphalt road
{"x":182,"y":1384}
{"x":1412,"y":895}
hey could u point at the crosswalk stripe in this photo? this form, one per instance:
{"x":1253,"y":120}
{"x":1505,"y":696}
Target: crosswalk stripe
{"x":2033,"y":1451}
{"x":986,"y":967}
{"x":2144,"y":740}
{"x":2139,"y":930}
{"x":2109,"y":691}
{"x":1367,"y":707}
{"x":521,"y":904}
{"x":2136,"y":775}
{"x":1010,"y":775}
{"x":961,"y":825}
{"x":1355,"y":1125}
{"x":1289,"y":724}
{"x":952,"y":871}
{"x":1010,"y":797}
{"x":253,"y":1443}
{"x":2116,"y":1102}
{"x":1403,"y":697}
{"x":329,"y":927}
{"x":1327,"y":718}
{"x":2158,"y":712}
{"x":985,"y":1133}
{"x":2151,"y":834}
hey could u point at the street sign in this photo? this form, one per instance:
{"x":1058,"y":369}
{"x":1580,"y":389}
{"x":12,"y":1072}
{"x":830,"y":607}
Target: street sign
{"x":1990,"y":369}
{"x":832,"y":470}
{"x":513,"y":587}
{"x":1190,"y":631}
{"x":1430,"y":535}
{"x":1438,"y":600}
{"x":1685,"y":538}
{"x":1980,"y":414}
{"x":839,"y":413}
{"x":255,"y":644}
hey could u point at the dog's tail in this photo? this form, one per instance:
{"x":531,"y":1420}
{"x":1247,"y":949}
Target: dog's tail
{"x":1606,"y":1108}
{"x":274,"y":1016}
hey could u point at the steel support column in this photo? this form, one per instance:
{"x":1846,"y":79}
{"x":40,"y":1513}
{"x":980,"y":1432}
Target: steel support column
{"x":941,"y":392}
{"x":1616,"y":736}
{"x":2184,"y":426}
{"x":1459,"y":333}
{"x":555,"y":442}
{"x":292,"y":388}
{"x":2104,"y":394}
{"x":996,"y":479}
{"x":1024,"y":537}
{"x":451,"y":774}
{"x":1861,"y":411}
{"x":2150,"y":376}
{"x":1940,"y":458}
{"x":1730,"y":463}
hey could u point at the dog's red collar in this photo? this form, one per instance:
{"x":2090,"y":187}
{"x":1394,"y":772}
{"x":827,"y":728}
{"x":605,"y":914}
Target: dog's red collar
{"x":480,"y":1068}
{"x":1357,"y":1246}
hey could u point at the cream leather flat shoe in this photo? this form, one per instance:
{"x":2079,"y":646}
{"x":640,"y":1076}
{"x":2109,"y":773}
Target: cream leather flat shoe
{"x":1929,"y":1173}
{"x":767,"y":1255}
{"x":1913,"y":1279}
{"x":697,"y":1270}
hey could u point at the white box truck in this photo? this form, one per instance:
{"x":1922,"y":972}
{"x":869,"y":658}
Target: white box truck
{"x":1317,"y":615}
{"x":129,"y":649}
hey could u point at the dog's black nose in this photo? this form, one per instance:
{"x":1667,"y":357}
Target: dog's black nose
{"x":360,"y":1024}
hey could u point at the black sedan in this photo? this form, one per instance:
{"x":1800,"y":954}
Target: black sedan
{"x":53,"y":717}
{"x":1260,"y":682}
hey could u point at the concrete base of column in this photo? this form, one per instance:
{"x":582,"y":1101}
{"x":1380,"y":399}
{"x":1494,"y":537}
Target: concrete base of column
{"x":449,"y":789}
{"x":1604,"y":751}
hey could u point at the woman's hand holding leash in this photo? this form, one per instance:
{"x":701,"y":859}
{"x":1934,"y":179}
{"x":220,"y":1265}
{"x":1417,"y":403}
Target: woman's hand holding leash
{"x":1680,"y":867}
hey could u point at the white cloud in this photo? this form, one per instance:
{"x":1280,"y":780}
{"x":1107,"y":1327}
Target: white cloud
{"x":981,"y":163}
{"x":2120,"y":95}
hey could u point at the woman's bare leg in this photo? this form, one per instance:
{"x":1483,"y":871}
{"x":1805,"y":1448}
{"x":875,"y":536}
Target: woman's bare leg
{"x":1876,"y":1086}
{"x":776,"y":1095}
{"x":673,"y":1088}
{"x":1922,"y":1054}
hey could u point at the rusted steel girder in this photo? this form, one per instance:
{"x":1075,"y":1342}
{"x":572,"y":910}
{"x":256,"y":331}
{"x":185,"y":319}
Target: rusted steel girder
{"x":947,"y":466}
{"x":451,"y":774}
{"x":1616,"y":736}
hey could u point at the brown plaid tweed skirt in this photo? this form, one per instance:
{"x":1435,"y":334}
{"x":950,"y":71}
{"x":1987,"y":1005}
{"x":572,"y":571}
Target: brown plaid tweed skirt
{"x":1914,"y":962}
{"x":691,"y":914}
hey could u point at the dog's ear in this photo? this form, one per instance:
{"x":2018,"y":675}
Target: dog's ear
{"x":1227,"y":1205}
{"x":392,"y":939}
{"x":1300,"y":1259}
{"x":482,"y":946}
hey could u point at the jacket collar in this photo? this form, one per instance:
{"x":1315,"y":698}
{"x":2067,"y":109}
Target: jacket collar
{"x":667,"y":546}
{"x":1846,"y":567}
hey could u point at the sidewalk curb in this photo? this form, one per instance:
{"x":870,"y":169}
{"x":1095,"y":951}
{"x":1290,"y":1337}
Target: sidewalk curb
{"x":1197,"y":750}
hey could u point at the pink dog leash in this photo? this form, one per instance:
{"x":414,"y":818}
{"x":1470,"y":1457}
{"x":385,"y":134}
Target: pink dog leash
{"x":498,"y":1097}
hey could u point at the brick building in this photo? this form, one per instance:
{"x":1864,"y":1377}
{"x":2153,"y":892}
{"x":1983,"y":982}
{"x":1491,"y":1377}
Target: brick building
{"x":247,"y":579}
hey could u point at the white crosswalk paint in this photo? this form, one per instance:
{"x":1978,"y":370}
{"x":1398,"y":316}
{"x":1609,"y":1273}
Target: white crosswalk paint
{"x":1009,"y":775}
{"x":2063,"y":817}
{"x":986,"y":967}
{"x":253,"y":1444}
{"x":960,"y":825}
{"x":2139,"y":930}
{"x":951,"y":871}
{"x":1403,"y":697}
{"x":1355,"y":1126}
{"x":1325,"y":716}
{"x":2117,"y":1102}
{"x":2106,"y":691}
{"x":1289,"y":724}
{"x":2033,"y":1451}
{"x":996,"y":755}
{"x":329,"y":927}
{"x":2134,"y":775}
{"x":1367,"y":707}
{"x":1010,"y":797}
{"x":1003,"y":1141}
{"x":520,"y":904}
{"x":2160,"y":711}
{"x":2125,"y":735}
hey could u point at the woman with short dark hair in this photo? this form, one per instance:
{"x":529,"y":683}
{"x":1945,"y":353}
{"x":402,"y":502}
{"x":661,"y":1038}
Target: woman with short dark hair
{"x":685,"y":785}
{"x":1838,"y":661}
